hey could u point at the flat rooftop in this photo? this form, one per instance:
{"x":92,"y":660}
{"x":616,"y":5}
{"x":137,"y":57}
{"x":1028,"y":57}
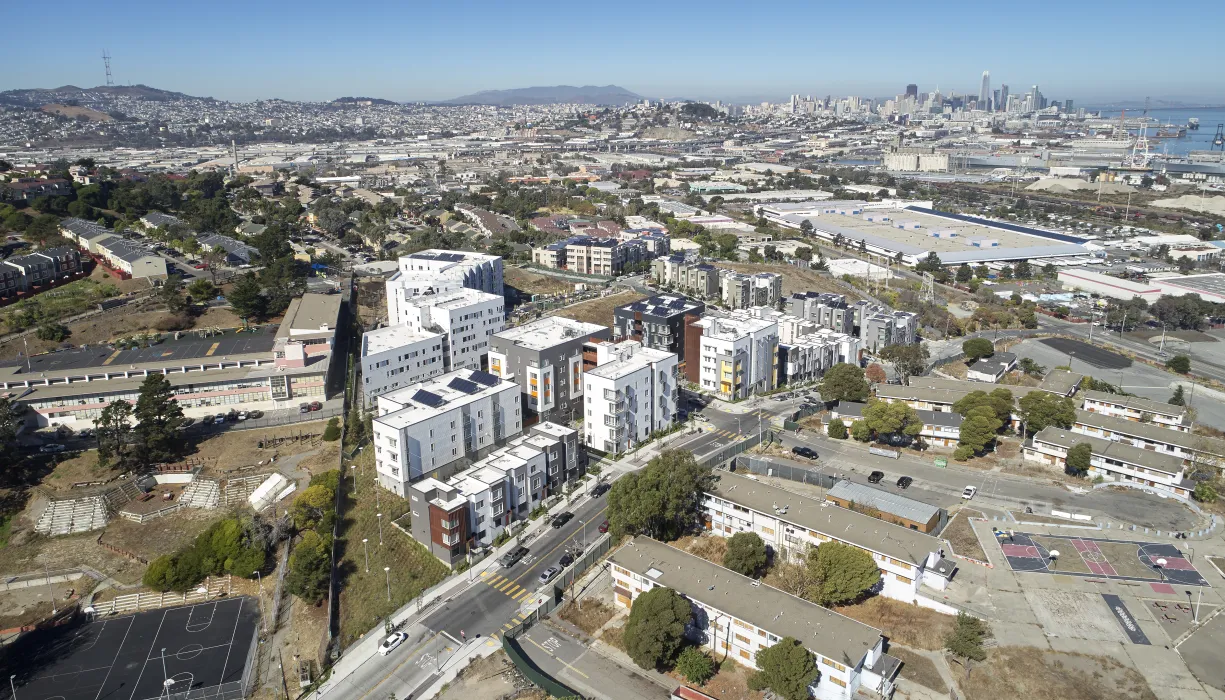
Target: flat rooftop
{"x":417,"y":402}
{"x":392,"y":337}
{"x":1213,"y":283}
{"x":839,"y":523}
{"x":819,"y":629}
{"x":169,"y":352}
{"x":549,"y":331}
{"x":311,"y":313}
{"x":663,"y":305}
{"x":731,"y":328}
{"x":1138,"y":403}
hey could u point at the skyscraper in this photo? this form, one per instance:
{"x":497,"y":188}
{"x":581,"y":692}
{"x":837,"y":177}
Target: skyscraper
{"x":912,"y":90}
{"x":984,"y":91}
{"x":1035,"y":98}
{"x":1002,"y":103}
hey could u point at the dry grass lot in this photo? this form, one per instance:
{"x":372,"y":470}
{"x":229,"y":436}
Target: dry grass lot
{"x":962,"y":537}
{"x":902,"y":623}
{"x":796,"y":279}
{"x":1034,"y":674}
{"x":72,"y":112}
{"x":162,"y":535}
{"x":919,"y":669}
{"x":80,"y":467}
{"x":709,"y":547}
{"x":29,"y":552}
{"x":731,"y":682}
{"x":530,"y":282}
{"x":239,"y":448}
{"x":588,"y":615}
{"x":363,"y":597}
{"x":599,"y":310}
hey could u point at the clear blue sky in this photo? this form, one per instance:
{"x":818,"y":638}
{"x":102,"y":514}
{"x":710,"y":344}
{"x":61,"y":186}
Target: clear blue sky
{"x":311,"y":50}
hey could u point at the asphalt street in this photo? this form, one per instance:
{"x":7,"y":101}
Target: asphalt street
{"x":583,"y":669}
{"x":943,"y":485}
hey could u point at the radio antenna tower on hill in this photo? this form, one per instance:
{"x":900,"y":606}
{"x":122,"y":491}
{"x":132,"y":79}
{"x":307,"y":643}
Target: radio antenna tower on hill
{"x":106,"y":60}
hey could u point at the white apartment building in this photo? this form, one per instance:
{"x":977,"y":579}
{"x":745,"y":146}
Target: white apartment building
{"x":1111,"y":460}
{"x":806,"y":349}
{"x":441,"y":425}
{"x":1137,"y":408}
{"x":739,"y":355}
{"x":470,"y":270}
{"x":397,"y":356}
{"x":790,"y":523}
{"x":631,"y":393}
{"x":736,"y":616}
{"x":467,"y":318}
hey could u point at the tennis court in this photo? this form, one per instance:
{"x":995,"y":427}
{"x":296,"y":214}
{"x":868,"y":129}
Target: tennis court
{"x":1098,"y":558}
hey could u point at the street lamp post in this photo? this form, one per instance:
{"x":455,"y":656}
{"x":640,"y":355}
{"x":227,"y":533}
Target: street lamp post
{"x":387,"y":573}
{"x":165,"y":675}
{"x":50,"y":588}
{"x":260,"y":580}
{"x":380,"y":518}
{"x":353,"y":471}
{"x":366,"y":549}
{"x":1160,"y":564}
{"x":13,"y":686}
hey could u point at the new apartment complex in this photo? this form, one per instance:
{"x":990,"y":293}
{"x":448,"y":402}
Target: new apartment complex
{"x":663,"y":322}
{"x":467,"y":319}
{"x":630,"y":394}
{"x":546,"y":359}
{"x":398,"y":356}
{"x":739,"y":355}
{"x":738,"y":290}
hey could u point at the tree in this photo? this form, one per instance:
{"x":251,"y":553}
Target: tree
{"x":844,"y":382}
{"x":1179,"y":363}
{"x":964,"y":273}
{"x":313,"y":508}
{"x":310,"y":567}
{"x":1080,"y":458}
{"x":1030,"y":367}
{"x":1205,"y":492}
{"x":1179,"y":398}
{"x":860,"y":430}
{"x":1023,"y":270}
{"x":332,"y":432}
{"x":201,"y":289}
{"x":10,"y":418}
{"x":930,"y":264}
{"x":965,"y":640}
{"x":158,"y":417}
{"x":1040,"y":409}
{"x":806,"y":227}
{"x":695,"y":665}
{"x":746,"y":554}
{"x":171,"y":294}
{"x":113,"y":430}
{"x":655,"y":630}
{"x":890,"y":419}
{"x":975,"y":348}
{"x":661,"y":500}
{"x":875,"y":374}
{"x":836,"y":429}
{"x":906,"y":360}
{"x":999,"y":404}
{"x":247,"y":298}
{"x":787,"y":668}
{"x":840,"y":573}
{"x":55,"y":332}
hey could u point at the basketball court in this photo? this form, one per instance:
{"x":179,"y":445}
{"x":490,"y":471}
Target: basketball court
{"x":1157,"y":563}
{"x":186,"y":653}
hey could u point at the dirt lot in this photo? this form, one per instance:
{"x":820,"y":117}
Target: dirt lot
{"x":962,"y":537}
{"x":798,"y":280}
{"x":1022,"y":672}
{"x":588,"y":615}
{"x":238,"y":448}
{"x":919,"y":669}
{"x":599,"y":310}
{"x":535,"y":283}
{"x":486,"y":679}
{"x":711,"y":548}
{"x":910,"y":625}
{"x":162,"y":535}
{"x":731,"y":682}
{"x":29,"y":552}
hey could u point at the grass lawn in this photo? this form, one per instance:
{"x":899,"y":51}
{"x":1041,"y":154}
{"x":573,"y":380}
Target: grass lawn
{"x":962,"y":537}
{"x":599,"y":310}
{"x":70,"y":299}
{"x":363,"y":596}
{"x":902,"y":623}
{"x":1036,"y":674}
{"x":919,"y":669}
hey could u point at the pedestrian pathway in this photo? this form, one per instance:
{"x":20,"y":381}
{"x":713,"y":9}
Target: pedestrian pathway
{"x":504,"y":585}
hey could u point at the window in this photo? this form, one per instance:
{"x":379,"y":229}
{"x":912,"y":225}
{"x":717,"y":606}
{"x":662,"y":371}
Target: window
{"x":837,"y":681}
{"x":834,"y":664}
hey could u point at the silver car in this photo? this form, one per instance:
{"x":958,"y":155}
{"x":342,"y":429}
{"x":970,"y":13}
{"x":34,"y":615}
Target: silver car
{"x":548,"y":574}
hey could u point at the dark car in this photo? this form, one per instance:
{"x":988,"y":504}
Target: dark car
{"x":599,"y":490}
{"x":875,"y":477}
{"x":604,"y":527}
{"x":512,"y":557}
{"x":562,"y":518}
{"x":566,"y":560}
{"x":804,"y":452}
{"x":904,"y":482}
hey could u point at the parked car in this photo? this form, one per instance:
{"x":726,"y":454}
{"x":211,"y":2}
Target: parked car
{"x":243,"y":415}
{"x":599,"y":490}
{"x":316,"y":406}
{"x":304,"y":408}
{"x":512,"y":557}
{"x":219,"y":419}
{"x":52,"y":448}
{"x":562,"y":518}
{"x":804,"y":452}
{"x":875,"y":477}
{"x":255,"y":414}
{"x":548,"y":574}
{"x":604,"y":527}
{"x":904,"y":482}
{"x":393,"y":640}
{"x":969,"y":492}
{"x":232,"y":416}
{"x":86,"y":433}
{"x":566,"y":560}
{"x":187,"y":422}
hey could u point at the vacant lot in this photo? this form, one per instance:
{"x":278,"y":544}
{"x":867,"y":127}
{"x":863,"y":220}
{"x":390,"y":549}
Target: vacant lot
{"x":709,"y":547}
{"x":535,"y":283}
{"x":588,"y":615}
{"x":599,"y":310}
{"x":72,"y":112}
{"x":68,"y":300}
{"x":962,"y":537}
{"x":161,"y":536}
{"x":902,"y":623}
{"x":796,"y":279}
{"x":240,"y":448}
{"x":363,"y":597}
{"x":1036,"y":674}
{"x":919,"y":669}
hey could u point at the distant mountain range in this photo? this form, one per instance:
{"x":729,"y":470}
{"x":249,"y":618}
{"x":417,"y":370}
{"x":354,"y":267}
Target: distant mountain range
{"x":550,"y":95}
{"x":40,"y":96}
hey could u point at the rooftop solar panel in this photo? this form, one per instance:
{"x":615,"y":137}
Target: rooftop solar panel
{"x":484,"y":378}
{"x":428,"y":398}
{"x":463,"y":385}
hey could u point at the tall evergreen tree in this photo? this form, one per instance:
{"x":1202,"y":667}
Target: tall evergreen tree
{"x":158,"y":416}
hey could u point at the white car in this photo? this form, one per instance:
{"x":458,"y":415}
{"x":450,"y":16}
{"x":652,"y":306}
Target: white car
{"x":969,"y":492}
{"x":393,"y":640}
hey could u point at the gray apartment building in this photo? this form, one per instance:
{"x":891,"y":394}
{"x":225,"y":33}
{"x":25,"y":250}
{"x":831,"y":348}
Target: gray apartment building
{"x":888,"y":328}
{"x":739,"y":290}
{"x":659,"y":322}
{"x":547,"y":358}
{"x":825,"y":309}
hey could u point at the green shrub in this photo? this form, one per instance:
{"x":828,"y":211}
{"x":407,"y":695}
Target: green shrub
{"x":332,"y":432}
{"x":695,"y":666}
{"x":836,"y":429}
{"x":963,"y":453}
{"x":55,"y":332}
